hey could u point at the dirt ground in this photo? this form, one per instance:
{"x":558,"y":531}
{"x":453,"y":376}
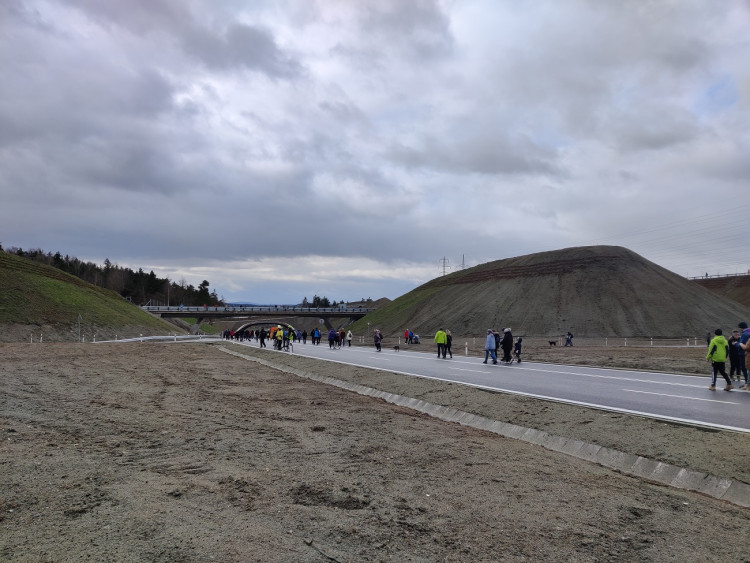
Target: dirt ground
{"x":182,"y":452}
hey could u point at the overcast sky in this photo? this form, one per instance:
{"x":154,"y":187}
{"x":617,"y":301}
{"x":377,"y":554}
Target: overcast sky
{"x":283,"y":149}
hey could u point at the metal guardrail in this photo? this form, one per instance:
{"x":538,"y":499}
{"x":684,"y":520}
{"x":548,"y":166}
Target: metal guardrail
{"x":165,"y":338}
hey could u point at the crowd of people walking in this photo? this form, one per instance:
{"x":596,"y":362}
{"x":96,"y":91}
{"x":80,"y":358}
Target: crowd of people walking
{"x":720,"y":349}
{"x":734,"y":349}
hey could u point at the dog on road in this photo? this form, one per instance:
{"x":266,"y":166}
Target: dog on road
{"x":552,"y":343}
{"x":397,"y":348}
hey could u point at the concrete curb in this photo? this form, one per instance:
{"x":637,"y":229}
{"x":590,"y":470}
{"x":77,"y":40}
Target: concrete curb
{"x":729,"y":490}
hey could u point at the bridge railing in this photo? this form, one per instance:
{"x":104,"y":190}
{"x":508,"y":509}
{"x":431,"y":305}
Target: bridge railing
{"x":719,"y":276}
{"x":252,"y":309}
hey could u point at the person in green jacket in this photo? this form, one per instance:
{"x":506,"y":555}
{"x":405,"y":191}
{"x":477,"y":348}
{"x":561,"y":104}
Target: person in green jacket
{"x":441,"y":339}
{"x":718,"y":349}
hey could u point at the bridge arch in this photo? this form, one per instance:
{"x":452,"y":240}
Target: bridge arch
{"x":267,"y":323}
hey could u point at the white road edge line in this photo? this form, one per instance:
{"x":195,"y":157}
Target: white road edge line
{"x":681,"y":397}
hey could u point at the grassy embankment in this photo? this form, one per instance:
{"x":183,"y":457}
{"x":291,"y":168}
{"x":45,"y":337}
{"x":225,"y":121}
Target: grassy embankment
{"x":39,"y":297}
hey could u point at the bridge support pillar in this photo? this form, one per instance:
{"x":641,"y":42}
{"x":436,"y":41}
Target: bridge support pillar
{"x":195,"y":329}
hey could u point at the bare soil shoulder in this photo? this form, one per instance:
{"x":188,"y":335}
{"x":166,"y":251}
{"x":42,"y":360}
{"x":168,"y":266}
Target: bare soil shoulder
{"x":181,"y":452}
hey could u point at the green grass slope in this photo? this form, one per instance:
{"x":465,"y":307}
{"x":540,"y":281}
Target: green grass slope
{"x":593,"y":291}
{"x":40,"y":300}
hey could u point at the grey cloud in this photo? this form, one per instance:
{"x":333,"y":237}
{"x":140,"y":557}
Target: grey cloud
{"x":586,"y":71}
{"x":220,"y":46}
{"x":342,"y":112}
{"x":242,"y":45}
{"x":652,"y":127}
{"x":484,"y":153}
{"x":419,"y":28}
{"x":139,"y":16}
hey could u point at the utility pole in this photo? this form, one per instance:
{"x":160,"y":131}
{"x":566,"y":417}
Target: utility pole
{"x":444,"y":260}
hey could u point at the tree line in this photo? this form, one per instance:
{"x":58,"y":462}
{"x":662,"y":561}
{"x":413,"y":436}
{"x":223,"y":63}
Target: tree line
{"x":137,"y":286}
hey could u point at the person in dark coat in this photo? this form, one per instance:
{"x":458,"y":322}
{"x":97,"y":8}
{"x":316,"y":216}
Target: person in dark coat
{"x":377,"y":339}
{"x":734,"y":355}
{"x":507,"y":345}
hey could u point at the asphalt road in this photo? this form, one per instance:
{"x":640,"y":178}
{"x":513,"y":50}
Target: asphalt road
{"x":680,"y":398}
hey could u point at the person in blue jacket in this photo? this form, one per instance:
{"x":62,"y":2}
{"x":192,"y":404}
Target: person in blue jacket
{"x":489,"y":347}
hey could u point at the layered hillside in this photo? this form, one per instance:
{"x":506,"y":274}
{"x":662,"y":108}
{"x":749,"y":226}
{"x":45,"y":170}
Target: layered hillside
{"x":591,"y":291}
{"x":736,"y":288}
{"x":41,"y":301}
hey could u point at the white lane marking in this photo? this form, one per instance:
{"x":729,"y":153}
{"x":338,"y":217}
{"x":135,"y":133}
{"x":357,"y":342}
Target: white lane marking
{"x":673,"y":384}
{"x":681,"y":397}
{"x":670,"y":383}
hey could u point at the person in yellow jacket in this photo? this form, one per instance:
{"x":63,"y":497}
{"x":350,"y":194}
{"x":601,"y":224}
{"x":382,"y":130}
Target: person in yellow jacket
{"x":718,"y":349}
{"x":441,"y":339}
{"x":279,"y":337}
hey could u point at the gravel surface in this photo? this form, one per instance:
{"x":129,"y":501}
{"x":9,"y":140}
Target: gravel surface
{"x":181,"y":452}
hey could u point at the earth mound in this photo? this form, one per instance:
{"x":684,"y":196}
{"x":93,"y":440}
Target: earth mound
{"x":592,"y":291}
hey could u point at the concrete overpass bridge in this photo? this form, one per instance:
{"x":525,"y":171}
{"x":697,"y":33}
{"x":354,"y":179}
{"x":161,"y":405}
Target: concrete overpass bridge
{"x":273,"y":313}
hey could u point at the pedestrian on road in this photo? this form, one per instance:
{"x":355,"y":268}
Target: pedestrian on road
{"x":517,"y":349}
{"x":744,"y":355}
{"x":717,"y":353}
{"x":332,"y":335}
{"x":734,"y":355}
{"x":378,"y":339}
{"x":349,"y":336}
{"x":441,"y":339}
{"x":489,"y":347}
{"x":507,"y":345}
{"x":449,"y":343}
